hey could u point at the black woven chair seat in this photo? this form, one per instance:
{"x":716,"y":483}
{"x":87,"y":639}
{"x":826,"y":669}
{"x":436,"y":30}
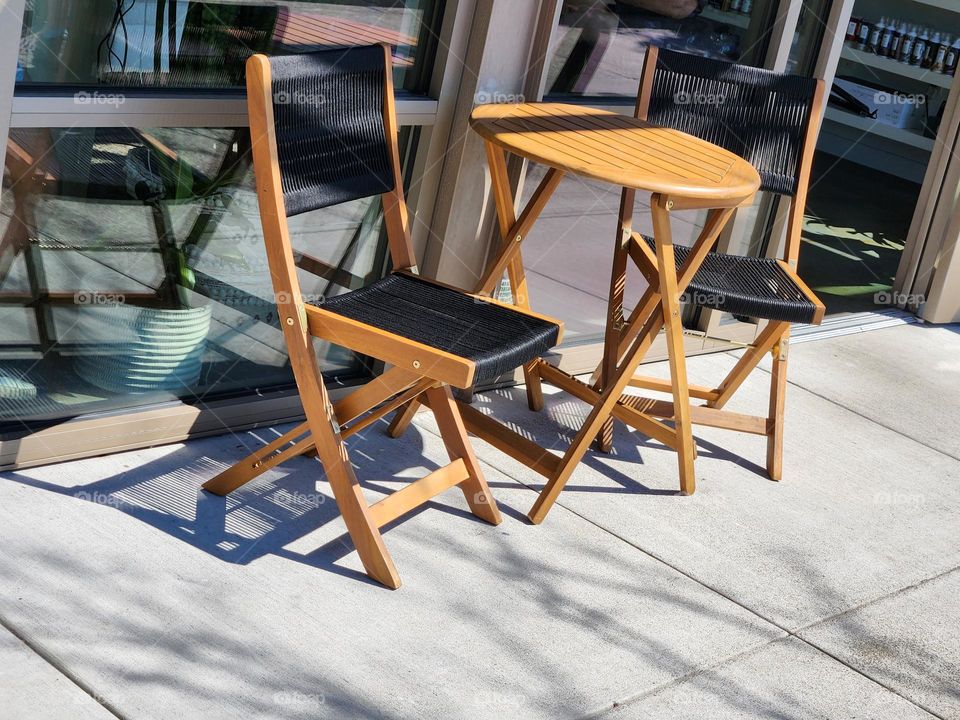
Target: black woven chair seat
{"x":751,"y":286}
{"x":496,"y":338}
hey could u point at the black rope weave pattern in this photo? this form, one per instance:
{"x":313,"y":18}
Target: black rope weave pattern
{"x":331,"y":140}
{"x":759,"y":115}
{"x":756,"y":287}
{"x":496,"y":338}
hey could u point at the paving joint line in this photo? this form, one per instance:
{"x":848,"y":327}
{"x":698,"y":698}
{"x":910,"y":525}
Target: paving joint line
{"x":61,"y":668}
{"x":774,"y":623}
{"x":707,"y":586}
{"x":680,"y":679}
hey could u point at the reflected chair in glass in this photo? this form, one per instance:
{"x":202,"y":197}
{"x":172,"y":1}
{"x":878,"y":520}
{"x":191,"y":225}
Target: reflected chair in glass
{"x":771,"y":120}
{"x":324,"y":132}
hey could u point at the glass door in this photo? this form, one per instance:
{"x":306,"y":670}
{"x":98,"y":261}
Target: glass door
{"x":893,"y":64}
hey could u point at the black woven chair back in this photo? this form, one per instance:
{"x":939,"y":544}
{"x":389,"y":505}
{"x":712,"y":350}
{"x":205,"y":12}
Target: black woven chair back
{"x":760,"y":115}
{"x":328,"y":113}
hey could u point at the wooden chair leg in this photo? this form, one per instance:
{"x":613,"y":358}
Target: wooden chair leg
{"x":401,"y":421}
{"x":361,"y":527}
{"x":778,"y":392}
{"x":454,"y":435}
{"x":258,"y":462}
{"x":534,"y":386}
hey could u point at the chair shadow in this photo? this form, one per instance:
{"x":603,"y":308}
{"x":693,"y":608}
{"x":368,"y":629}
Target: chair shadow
{"x":284,"y":506}
{"x":510,"y":407}
{"x":262,"y":518}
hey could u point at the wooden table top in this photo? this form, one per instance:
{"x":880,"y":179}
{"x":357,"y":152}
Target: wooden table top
{"x":617,"y":149}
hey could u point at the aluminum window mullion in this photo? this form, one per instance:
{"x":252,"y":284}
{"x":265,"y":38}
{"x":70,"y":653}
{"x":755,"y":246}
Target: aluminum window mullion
{"x":112,"y":109}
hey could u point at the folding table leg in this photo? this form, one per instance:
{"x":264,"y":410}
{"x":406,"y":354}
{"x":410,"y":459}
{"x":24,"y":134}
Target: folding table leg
{"x":531,"y":375}
{"x":670,"y":302}
{"x":601,"y":411}
{"x":615,"y":320}
{"x":778,"y":391}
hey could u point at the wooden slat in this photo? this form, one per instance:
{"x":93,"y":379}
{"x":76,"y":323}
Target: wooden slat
{"x":569,"y":133}
{"x":407,"y":354}
{"x":700,"y":415}
{"x":519,"y":229}
{"x":260,"y":461}
{"x":618,"y":149}
{"x":510,"y":442}
{"x":764,"y":342}
{"x":663,"y":385}
{"x":412,"y":496}
{"x":401,"y":399}
{"x":811,"y":295}
{"x":373,"y":393}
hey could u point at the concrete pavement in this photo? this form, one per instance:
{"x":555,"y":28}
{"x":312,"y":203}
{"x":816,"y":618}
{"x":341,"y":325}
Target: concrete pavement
{"x":126,"y":592}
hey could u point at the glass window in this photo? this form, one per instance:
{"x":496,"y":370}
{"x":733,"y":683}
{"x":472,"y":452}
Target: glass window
{"x":600,"y":46}
{"x":599,"y":50}
{"x":170,"y":44}
{"x":133,"y":271}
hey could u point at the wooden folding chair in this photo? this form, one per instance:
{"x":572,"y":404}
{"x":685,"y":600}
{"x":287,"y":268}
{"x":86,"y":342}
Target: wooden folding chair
{"x":773,"y":121}
{"x":324,"y":131}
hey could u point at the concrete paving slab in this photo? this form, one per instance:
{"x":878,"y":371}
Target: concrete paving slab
{"x":32,"y":688}
{"x":909,"y":641}
{"x":862,"y":511}
{"x":171,"y":603}
{"x":787,"y":680}
{"x":907,"y":378}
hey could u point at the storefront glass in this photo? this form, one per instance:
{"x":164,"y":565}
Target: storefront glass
{"x":132,"y":267}
{"x":170,"y":44}
{"x":598,"y":59}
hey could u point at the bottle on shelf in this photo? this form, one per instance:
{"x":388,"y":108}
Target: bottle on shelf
{"x":907,"y":43}
{"x":853,"y":29}
{"x":886,"y":40}
{"x":896,"y":40}
{"x":953,"y":59}
{"x":746,"y":7}
{"x":863,"y":41}
{"x":735,"y":5}
{"x":920,"y":46}
{"x":933,"y":48}
{"x":876,"y":36}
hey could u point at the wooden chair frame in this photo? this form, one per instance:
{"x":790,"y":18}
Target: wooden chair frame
{"x":418,"y":372}
{"x":773,"y":337}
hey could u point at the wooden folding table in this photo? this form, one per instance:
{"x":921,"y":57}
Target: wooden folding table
{"x":682,"y":173}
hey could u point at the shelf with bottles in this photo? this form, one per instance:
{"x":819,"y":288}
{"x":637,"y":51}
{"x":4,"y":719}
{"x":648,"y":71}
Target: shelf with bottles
{"x":897,"y":68}
{"x":904,"y":48}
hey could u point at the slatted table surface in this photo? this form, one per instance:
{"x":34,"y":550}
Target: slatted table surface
{"x":617,"y":149}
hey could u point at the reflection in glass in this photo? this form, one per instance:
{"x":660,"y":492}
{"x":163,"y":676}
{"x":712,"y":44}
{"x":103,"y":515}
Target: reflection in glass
{"x":601,"y":46}
{"x":165,"y":43}
{"x":132,"y":271}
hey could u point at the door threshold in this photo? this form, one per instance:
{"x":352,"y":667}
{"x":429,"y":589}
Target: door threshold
{"x":851,"y":324}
